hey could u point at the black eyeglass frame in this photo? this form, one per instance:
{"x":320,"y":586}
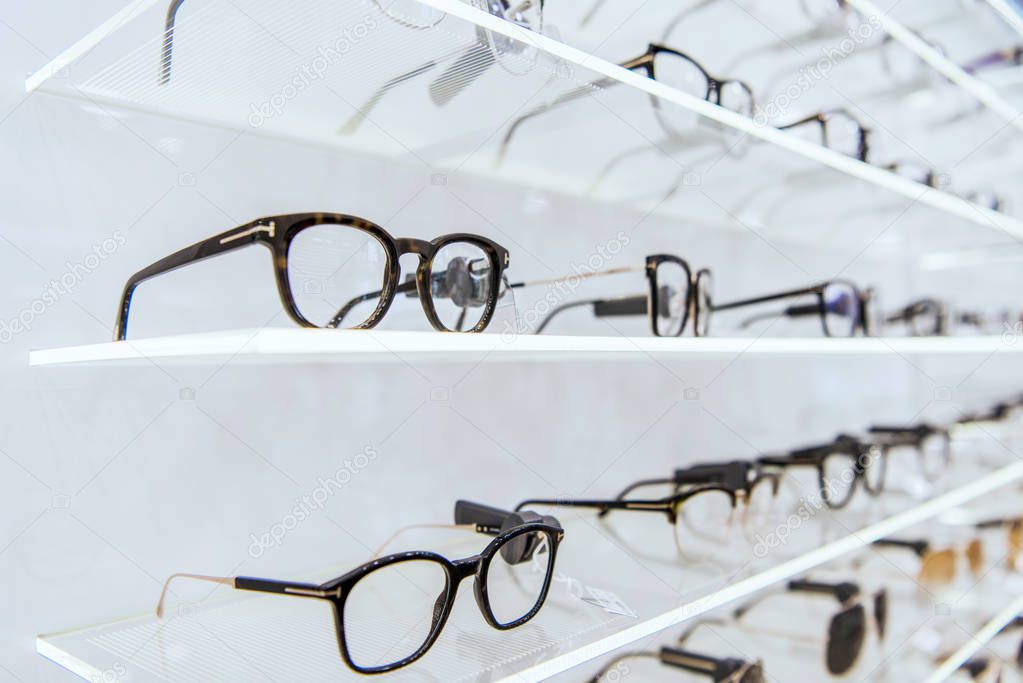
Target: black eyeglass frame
{"x":336,"y":591}
{"x":822,"y":118}
{"x":646,"y":61}
{"x":276,"y":233}
{"x":843,"y":445}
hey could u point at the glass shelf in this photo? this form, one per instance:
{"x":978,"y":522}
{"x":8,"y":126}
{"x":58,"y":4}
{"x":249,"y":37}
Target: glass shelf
{"x":626,"y":564}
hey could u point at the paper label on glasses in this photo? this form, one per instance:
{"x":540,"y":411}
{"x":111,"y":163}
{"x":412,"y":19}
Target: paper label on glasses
{"x":598,"y":597}
{"x":607,"y":601}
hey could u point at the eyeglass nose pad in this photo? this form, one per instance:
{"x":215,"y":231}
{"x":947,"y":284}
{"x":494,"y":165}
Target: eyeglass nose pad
{"x":438,"y":610}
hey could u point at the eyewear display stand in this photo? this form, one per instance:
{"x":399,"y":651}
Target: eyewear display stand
{"x":345,"y":75}
{"x":285,"y":345}
{"x":589,"y":614}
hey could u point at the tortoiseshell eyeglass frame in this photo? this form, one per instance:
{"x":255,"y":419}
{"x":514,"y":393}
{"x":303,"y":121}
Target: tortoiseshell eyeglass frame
{"x":277,"y":233}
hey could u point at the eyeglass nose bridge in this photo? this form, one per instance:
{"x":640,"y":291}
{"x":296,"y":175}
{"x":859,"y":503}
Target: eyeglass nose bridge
{"x":410,"y":245}
{"x":463,"y":569}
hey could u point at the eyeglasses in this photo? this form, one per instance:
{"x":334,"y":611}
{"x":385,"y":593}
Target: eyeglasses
{"x":925,"y":317}
{"x":933,"y":445}
{"x":840,"y":305}
{"x":334,"y":270}
{"x":527,"y":14}
{"x":667,"y":301}
{"x":938,"y":566}
{"x":726,"y":670}
{"x":685,"y":74}
{"x":839,"y":466}
{"x":390,"y":611}
{"x":675,"y":295}
{"x":839,"y":131}
{"x":705,"y":509}
{"x":847,"y":629}
{"x":755,"y":489}
{"x":925,"y":175}
{"x":671,"y":67}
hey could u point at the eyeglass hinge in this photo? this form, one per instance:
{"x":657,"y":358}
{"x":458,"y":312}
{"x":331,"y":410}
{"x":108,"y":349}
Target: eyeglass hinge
{"x":270,"y":230}
{"x":313,"y":593}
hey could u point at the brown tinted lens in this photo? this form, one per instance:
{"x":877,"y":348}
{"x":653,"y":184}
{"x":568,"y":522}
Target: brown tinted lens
{"x":845,"y":639}
{"x":1015,"y":543}
{"x":975,"y":556}
{"x":881,"y":612}
{"x":938,"y":567}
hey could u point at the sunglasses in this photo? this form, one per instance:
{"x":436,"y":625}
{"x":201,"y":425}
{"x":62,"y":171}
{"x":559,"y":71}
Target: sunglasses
{"x":391,"y":610}
{"x":333,"y":270}
{"x":840,"y":465}
{"x":938,"y":566}
{"x":726,"y":670}
{"x":847,"y":628}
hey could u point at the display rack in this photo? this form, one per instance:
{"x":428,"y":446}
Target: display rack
{"x":568,"y":633}
{"x":295,"y":345}
{"x":227,"y":64}
{"x":361,"y":102}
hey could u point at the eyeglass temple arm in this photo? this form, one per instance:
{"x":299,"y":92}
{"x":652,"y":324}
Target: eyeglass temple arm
{"x":407,"y":287}
{"x":637,"y":505}
{"x":696,"y":663}
{"x":790,"y":312}
{"x":642,"y":483}
{"x":167,"y":52}
{"x":618,"y":660}
{"x":643,"y":62}
{"x":1011,"y":55}
{"x":805,"y":291}
{"x":410,"y":527}
{"x":918,"y":547}
{"x":236,"y":238}
{"x":246,"y":583}
{"x":997,"y":522}
{"x":842,"y":591}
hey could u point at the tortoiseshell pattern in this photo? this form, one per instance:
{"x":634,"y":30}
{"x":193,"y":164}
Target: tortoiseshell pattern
{"x":277,"y":232}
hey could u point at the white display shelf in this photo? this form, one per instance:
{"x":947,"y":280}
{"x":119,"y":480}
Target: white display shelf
{"x":227,"y":65}
{"x":296,"y":345}
{"x":239,"y":637}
